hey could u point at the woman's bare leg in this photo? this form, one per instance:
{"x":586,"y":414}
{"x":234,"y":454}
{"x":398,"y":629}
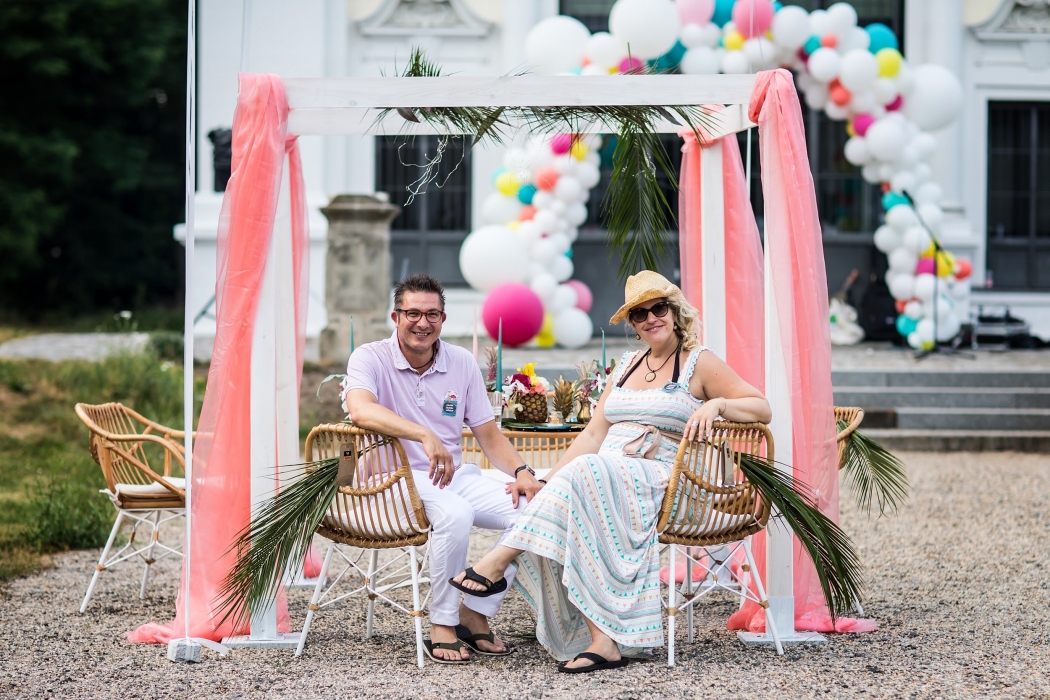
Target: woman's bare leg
{"x":601,"y":644}
{"x":492,"y":566}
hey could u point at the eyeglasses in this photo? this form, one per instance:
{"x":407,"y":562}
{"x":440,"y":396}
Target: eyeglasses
{"x":659,"y":309}
{"x":414,"y":315}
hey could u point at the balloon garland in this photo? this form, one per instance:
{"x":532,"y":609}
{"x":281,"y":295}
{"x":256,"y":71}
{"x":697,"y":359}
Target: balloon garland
{"x":853,"y":74}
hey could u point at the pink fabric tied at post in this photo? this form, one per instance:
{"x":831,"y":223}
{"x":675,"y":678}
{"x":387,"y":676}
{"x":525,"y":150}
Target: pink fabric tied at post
{"x":800,"y":290}
{"x":221,"y":457}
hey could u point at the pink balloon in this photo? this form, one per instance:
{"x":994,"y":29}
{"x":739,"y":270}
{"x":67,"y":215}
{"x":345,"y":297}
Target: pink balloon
{"x":695,"y":11}
{"x":925,"y":267}
{"x":862,"y":122}
{"x":763,"y":17}
{"x":897,"y":103}
{"x":629,"y":64}
{"x":561,"y":144}
{"x":584,"y":298}
{"x":521,"y":311}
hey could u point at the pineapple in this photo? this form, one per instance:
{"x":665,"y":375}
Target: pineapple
{"x":563,"y":398}
{"x":532,"y":408}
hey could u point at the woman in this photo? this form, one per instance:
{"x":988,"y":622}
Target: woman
{"x":587,"y":544}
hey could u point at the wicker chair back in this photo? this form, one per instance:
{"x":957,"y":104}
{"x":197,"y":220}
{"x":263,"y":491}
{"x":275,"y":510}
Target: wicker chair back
{"x":853,"y":416}
{"x":539,"y":450}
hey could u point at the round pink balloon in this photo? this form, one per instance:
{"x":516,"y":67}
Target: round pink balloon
{"x":752,"y":27}
{"x":695,"y":11}
{"x":861,"y":122}
{"x":925,"y":267}
{"x":584,"y":298}
{"x":631,"y":63}
{"x":561,"y":144}
{"x":521,"y":311}
{"x":897,"y":103}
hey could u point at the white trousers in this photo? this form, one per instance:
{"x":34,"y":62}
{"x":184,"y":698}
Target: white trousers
{"x":471,"y":499}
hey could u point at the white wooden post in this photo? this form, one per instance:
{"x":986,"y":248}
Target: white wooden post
{"x":713,"y":244}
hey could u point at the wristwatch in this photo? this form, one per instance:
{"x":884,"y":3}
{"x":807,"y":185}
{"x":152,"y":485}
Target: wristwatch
{"x":526,"y":468}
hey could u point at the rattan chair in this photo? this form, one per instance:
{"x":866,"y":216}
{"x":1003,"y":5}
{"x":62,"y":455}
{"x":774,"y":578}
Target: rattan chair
{"x":540,"y":450}
{"x":377,"y":508}
{"x":710,"y":505}
{"x":121,"y":442}
{"x":853,"y":417}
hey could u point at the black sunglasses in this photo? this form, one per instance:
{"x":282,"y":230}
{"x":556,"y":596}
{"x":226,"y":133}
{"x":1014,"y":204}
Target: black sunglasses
{"x":638,"y":315}
{"x":414,"y":315}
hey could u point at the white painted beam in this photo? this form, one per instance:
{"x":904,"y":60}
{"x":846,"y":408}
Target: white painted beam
{"x":713,"y":244}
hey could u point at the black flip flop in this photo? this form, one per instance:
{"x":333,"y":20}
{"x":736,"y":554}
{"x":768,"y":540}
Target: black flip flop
{"x":491,"y":588}
{"x":471,"y":640}
{"x":600,"y":664}
{"x":429,"y":647}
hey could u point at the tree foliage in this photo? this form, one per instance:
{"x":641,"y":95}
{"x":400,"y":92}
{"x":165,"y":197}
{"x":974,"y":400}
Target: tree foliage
{"x":91,"y":153}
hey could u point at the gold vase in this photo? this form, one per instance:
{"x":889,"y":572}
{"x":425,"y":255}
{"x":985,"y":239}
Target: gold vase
{"x":584,"y":413}
{"x":533,"y":408}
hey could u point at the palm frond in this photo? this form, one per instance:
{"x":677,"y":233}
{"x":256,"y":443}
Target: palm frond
{"x":834,"y":558}
{"x":277,"y":538}
{"x":874,"y":474}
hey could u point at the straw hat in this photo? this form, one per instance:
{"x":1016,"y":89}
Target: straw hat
{"x":645,"y":286}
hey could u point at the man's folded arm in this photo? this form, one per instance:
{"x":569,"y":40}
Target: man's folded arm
{"x":366,"y":412}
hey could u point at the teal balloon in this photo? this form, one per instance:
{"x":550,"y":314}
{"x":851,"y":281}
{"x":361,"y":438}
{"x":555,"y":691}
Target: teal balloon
{"x":670,"y":59}
{"x":497,"y":172}
{"x":568,"y":253}
{"x":906,"y":326}
{"x":723,"y":12}
{"x":811,"y":45}
{"x":526,"y":193}
{"x":777,"y":5}
{"x":882,"y":37}
{"x":892,"y":199}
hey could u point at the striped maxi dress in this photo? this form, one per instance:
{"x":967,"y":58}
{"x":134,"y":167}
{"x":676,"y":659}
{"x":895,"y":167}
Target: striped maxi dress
{"x":589,"y":535}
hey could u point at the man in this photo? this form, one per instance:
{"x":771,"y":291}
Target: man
{"x":414,"y":387}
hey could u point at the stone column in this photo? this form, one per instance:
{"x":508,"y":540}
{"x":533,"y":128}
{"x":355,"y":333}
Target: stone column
{"x":357,"y":272}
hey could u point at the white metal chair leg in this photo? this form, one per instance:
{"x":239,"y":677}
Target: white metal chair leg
{"x":857,"y":606}
{"x":764,"y":602}
{"x":321,"y":577}
{"x":155,"y":535}
{"x":417,"y":612}
{"x":373,"y":560}
{"x":689,"y":589}
{"x":102,"y":560}
{"x":672,"y":590}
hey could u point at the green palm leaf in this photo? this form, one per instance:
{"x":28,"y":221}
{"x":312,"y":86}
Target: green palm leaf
{"x":277,"y":538}
{"x":873,"y":474}
{"x":831,"y":550}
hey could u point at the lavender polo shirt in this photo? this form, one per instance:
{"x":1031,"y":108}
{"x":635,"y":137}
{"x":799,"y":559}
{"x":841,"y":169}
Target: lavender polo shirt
{"x":448,"y":395}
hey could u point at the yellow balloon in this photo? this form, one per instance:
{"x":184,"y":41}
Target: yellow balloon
{"x":579,"y":150}
{"x":849,"y":128}
{"x":613,"y":70}
{"x":945,"y":264}
{"x":545,"y":339}
{"x":734,"y":41}
{"x":928,"y":253}
{"x":507,"y":183}
{"x":513,"y":225}
{"x":889,"y":62}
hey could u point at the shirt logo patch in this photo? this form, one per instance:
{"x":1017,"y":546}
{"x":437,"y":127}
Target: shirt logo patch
{"x":450,"y":405}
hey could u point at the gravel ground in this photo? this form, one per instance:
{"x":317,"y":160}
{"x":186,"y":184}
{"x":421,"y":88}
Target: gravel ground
{"x":958,"y":583}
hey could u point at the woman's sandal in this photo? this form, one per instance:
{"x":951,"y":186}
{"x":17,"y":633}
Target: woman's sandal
{"x":491,"y":588}
{"x":471,"y":640}
{"x":600,"y":664}
{"x":457,"y":646}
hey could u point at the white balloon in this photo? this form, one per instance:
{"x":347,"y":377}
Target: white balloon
{"x":591,"y":69}
{"x":606,"y":50}
{"x":568,"y":189}
{"x":924,"y":145}
{"x":712,"y":34}
{"x":735,"y":63}
{"x":543,"y":251}
{"x":817,"y":96}
{"x":924,"y":285}
{"x":929,"y":193}
{"x":905,"y":79}
{"x":960,"y":289}
{"x":576,"y":214}
{"x":649,"y":26}
{"x":542,"y":200}
{"x":556,"y":44}
{"x":572,"y":328}
{"x":863,"y":102}
{"x":592,"y":141}
{"x":824,"y":64}
{"x":887,"y":239}
{"x":842,"y":18}
{"x":886,"y":171}
{"x":760,"y":53}
{"x":546,"y":220}
{"x":856,"y":39}
{"x":558,"y":207}
{"x":545,"y":286}
{"x":560,"y":242}
{"x":932,"y":214}
{"x":916,"y":240}
{"x":904,"y":180}
{"x":490,"y":243}
{"x":903,"y":260}
{"x":561,"y":268}
{"x":948,"y":327}
{"x":528,"y":232}
{"x":858,"y":69}
{"x":692,"y":35}
{"x":572,"y":233}
{"x":565,"y":165}
{"x":944,"y":306}
{"x":836,"y":112}
{"x":924,"y":330}
{"x":914,"y":340}
{"x":901,"y":217}
{"x":936,"y":99}
{"x":565,"y":297}
{"x":516,"y":160}
{"x":588,"y":175}
{"x":913,"y":309}
{"x":856,"y":151}
{"x":818,"y":23}
{"x":902,"y":286}
{"x":699,"y":60}
{"x":790,"y":27}
{"x":885,"y":139}
{"x":908,"y":157}
{"x":885,"y":90}
{"x":500,"y":209}
{"x":922,"y":172}
{"x":870,"y":173}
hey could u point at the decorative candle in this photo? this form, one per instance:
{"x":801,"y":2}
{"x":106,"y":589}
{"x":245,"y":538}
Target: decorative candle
{"x":475,"y":333}
{"x":603,"y":352}
{"x":351,"y":335}
{"x":499,"y":356}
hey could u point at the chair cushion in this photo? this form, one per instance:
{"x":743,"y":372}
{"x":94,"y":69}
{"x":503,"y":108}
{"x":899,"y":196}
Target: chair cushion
{"x":154,"y":489}
{"x":386,"y":516}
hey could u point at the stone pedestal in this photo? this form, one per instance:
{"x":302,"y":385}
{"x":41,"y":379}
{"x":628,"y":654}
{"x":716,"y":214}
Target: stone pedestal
{"x":357,"y":272}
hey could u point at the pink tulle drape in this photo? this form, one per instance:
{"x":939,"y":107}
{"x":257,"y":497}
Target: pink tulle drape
{"x":800,"y":289}
{"x":221,"y":455}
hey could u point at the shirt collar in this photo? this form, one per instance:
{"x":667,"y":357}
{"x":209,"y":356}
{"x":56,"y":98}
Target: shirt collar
{"x":401,"y":362}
